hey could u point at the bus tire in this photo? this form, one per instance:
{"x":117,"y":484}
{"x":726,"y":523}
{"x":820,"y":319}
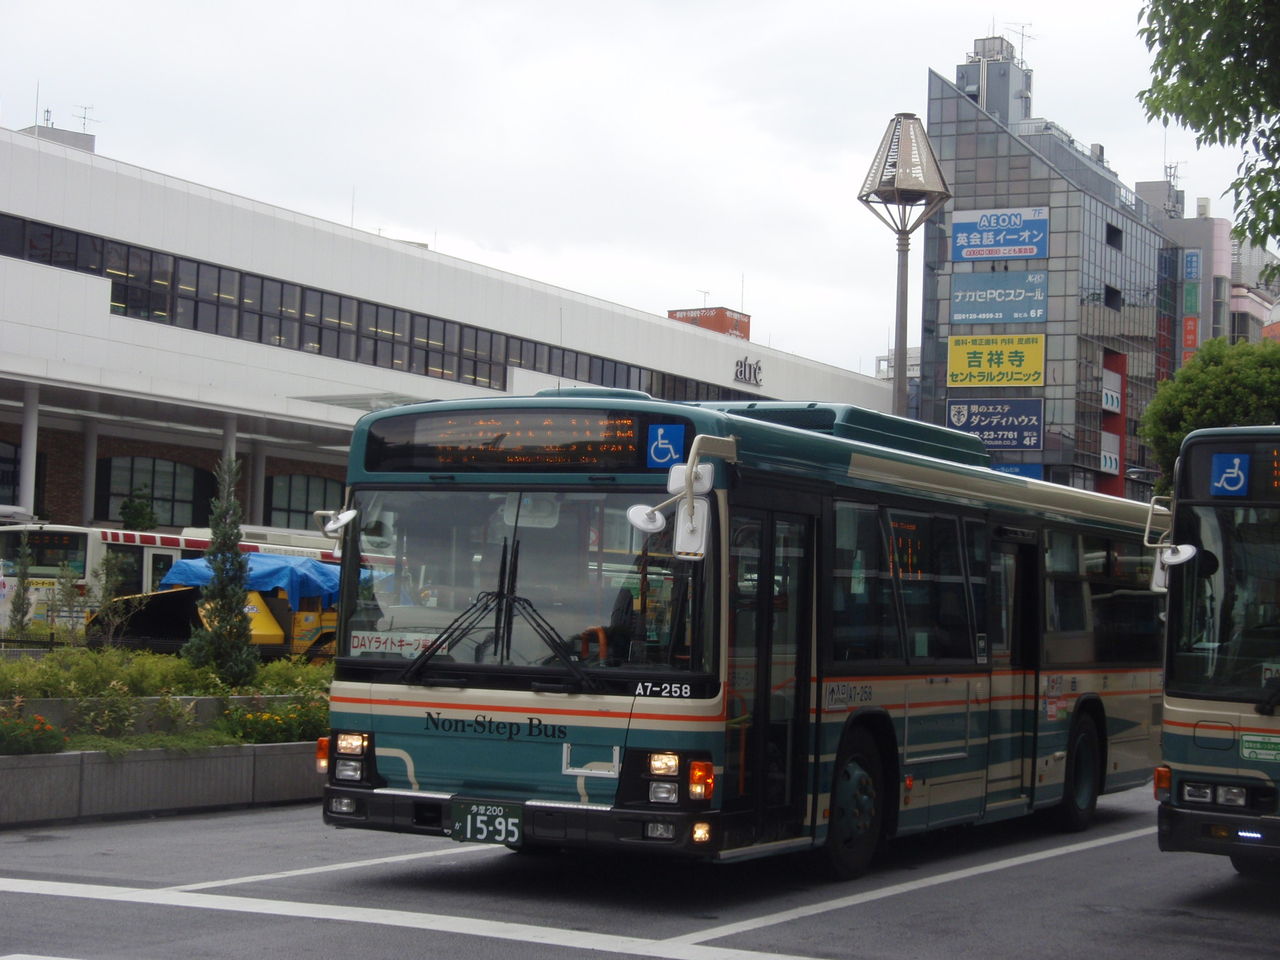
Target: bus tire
{"x":1082,"y":783}
{"x":1255,"y":868}
{"x":857,"y":807}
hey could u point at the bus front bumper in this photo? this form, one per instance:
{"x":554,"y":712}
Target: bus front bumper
{"x":1215,"y":831}
{"x":542,"y":824}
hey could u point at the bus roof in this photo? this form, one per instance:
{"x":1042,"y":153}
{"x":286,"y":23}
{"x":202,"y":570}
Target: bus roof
{"x":836,"y":443}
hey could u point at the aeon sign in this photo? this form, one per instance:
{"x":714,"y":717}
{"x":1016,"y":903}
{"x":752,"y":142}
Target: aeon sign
{"x":748,"y":371}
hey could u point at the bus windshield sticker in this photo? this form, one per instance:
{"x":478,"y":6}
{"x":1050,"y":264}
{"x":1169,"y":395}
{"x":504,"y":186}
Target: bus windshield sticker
{"x":407,"y":645}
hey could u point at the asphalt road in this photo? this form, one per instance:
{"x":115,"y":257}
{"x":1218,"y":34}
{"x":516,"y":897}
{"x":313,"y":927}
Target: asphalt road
{"x":277,"y":883}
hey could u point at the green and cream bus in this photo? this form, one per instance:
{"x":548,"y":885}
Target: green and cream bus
{"x":592,"y":619}
{"x":1217,"y":784}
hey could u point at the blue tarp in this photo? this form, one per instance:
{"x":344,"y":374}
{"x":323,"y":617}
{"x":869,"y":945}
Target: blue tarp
{"x":298,"y":576}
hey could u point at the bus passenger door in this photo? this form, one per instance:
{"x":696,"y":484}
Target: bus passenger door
{"x":158,"y":562}
{"x":770,"y":600}
{"x":1011,"y":632}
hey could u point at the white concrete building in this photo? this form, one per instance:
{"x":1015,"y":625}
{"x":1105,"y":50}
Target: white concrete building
{"x":149,"y":324}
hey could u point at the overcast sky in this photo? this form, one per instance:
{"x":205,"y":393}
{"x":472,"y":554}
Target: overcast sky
{"x":656,"y":153}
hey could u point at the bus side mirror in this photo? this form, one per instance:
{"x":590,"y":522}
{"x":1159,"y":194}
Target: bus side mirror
{"x":690,"y":539}
{"x":331,"y":522}
{"x":1169,"y":555}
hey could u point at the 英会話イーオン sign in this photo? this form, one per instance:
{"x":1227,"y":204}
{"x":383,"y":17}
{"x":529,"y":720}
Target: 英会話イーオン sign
{"x":1020,"y":233}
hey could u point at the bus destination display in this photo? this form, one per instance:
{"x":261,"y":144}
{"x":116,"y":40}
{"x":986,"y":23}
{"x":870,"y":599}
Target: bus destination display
{"x":550,"y":440}
{"x":1215,"y":471}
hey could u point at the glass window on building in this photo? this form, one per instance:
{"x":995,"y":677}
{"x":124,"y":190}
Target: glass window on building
{"x":293,"y":498}
{"x":179,"y":493}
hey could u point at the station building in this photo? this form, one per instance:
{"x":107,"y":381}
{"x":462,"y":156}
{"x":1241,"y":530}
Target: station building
{"x":150,"y":326}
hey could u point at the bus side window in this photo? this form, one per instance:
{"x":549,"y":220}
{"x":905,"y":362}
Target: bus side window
{"x":864,"y":616}
{"x":931,"y":580}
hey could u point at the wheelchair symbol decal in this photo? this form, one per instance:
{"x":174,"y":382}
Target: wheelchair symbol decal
{"x":666,"y":445}
{"x":1229,"y":475}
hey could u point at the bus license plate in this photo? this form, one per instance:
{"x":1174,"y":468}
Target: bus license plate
{"x":483,"y":822}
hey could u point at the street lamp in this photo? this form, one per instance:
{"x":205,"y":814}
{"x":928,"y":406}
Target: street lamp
{"x":904,"y":188}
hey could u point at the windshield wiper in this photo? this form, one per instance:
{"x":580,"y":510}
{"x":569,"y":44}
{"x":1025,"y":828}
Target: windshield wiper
{"x":453,"y":634}
{"x":462,"y":625}
{"x":504,"y":605}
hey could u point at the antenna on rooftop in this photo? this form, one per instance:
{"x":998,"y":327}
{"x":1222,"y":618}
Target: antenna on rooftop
{"x":1023,"y":37}
{"x":705,"y":294}
{"x":84,"y":118}
{"x":48,"y":117}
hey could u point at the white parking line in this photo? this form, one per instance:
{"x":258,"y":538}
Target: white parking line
{"x":349,"y":865}
{"x":840,"y":903}
{"x":493,"y":929}
{"x":691,"y":946}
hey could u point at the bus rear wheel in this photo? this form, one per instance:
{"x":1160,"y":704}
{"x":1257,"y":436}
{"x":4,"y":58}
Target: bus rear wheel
{"x":1082,"y":783}
{"x":857,"y":807}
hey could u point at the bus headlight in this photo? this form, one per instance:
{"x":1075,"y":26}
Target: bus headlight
{"x":1197,"y":793}
{"x":663,"y":791}
{"x":1232,"y":796}
{"x":352,"y":744}
{"x":348,"y":769}
{"x":664,"y":764}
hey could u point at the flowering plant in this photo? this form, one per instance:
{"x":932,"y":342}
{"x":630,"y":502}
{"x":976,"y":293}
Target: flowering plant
{"x":23,"y":734}
{"x":304,"y":717}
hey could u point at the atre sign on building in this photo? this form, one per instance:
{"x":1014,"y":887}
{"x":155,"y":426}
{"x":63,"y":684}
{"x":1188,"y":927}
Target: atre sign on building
{"x":748,"y":371}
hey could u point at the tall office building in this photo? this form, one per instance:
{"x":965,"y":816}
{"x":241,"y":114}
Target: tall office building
{"x":1049,"y":292}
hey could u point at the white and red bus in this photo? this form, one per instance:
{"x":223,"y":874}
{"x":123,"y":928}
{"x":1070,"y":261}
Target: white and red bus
{"x":148,"y":556}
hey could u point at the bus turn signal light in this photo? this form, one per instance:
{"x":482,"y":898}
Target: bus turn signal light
{"x":702,"y":779}
{"x":322,"y":755}
{"x":1162,"y":784}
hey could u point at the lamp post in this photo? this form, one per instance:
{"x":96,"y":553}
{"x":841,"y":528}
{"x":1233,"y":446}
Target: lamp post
{"x":904,"y":188}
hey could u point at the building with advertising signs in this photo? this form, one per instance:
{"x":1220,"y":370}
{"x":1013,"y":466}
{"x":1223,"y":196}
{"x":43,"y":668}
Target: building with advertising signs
{"x":1043,"y":331}
{"x":1055,"y":297}
{"x":151,"y":325}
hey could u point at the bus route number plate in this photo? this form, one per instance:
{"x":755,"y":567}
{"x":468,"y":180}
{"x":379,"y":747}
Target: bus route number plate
{"x":479,"y":821}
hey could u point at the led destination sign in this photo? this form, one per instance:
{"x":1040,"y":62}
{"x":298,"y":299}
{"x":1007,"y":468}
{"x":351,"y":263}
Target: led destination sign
{"x":544,"y":440}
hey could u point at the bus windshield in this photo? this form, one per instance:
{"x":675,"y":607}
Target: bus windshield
{"x":1225,"y":631}
{"x":49,"y":550}
{"x":520,"y":579}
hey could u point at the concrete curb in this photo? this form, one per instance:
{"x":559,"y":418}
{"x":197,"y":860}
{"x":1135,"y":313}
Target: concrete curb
{"x":78,"y":785}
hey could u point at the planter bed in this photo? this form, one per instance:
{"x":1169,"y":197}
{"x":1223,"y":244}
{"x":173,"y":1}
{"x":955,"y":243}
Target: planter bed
{"x":205,"y":710}
{"x":45,"y":788}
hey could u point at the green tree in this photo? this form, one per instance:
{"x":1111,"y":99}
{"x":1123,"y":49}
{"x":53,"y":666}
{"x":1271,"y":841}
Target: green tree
{"x":1221,"y":386}
{"x":69,"y":606}
{"x":20,"y":598}
{"x":225,"y":641}
{"x":136,"y":511}
{"x":105,"y":596}
{"x":1216,"y":71}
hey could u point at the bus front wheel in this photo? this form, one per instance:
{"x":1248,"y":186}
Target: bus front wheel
{"x":1255,"y":868}
{"x":1082,"y":783}
{"x":857,"y":807}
